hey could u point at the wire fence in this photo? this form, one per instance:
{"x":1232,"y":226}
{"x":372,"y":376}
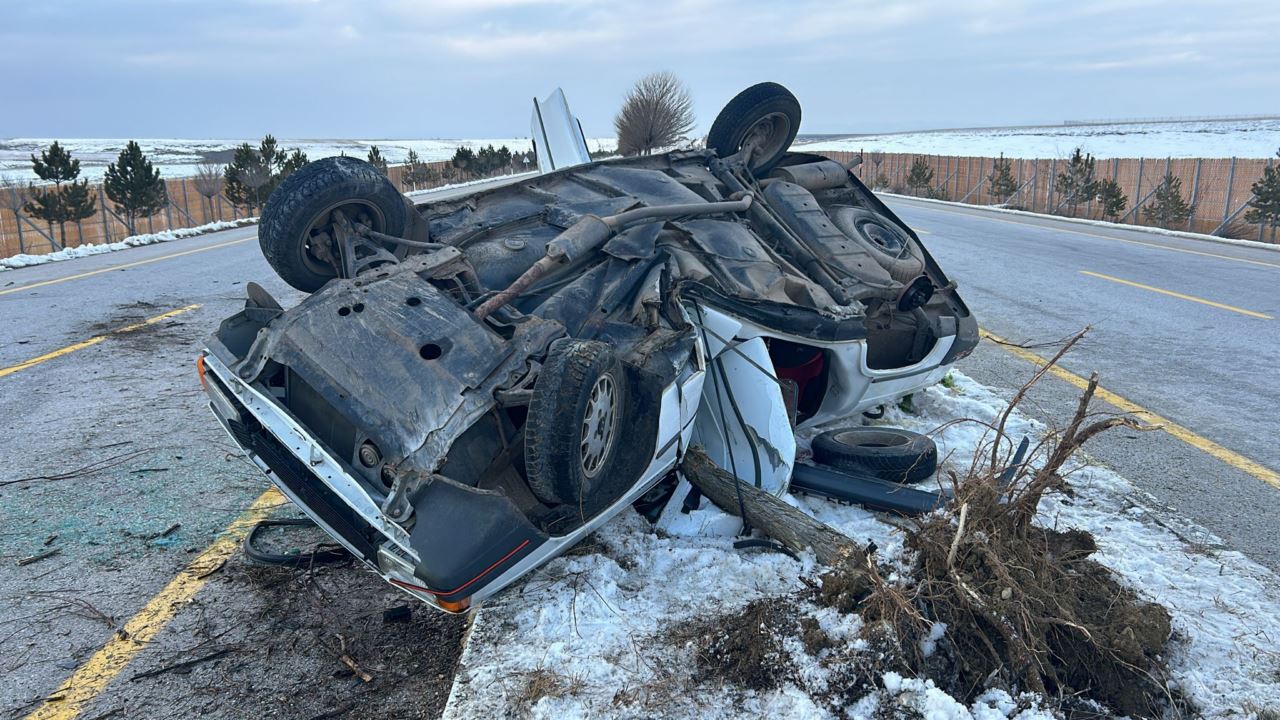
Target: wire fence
{"x":20,"y":233}
{"x":1219,"y":189}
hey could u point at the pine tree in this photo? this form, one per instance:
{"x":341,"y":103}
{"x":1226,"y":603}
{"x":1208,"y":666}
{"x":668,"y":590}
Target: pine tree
{"x":920,"y":176}
{"x":1264,"y":207}
{"x":134,"y":185}
{"x":67,"y":200}
{"x":376,"y":159}
{"x":1000,"y":183}
{"x":464,"y":159}
{"x":1167,"y":208}
{"x":1077,"y":183}
{"x":417,"y":172}
{"x":254,"y":173}
{"x":1111,"y":199}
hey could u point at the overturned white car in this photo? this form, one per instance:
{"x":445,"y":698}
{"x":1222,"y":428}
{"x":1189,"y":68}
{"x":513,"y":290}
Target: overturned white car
{"x":476,"y":383}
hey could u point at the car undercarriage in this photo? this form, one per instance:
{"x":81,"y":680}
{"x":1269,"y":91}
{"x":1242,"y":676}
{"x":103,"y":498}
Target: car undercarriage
{"x":475,"y":384}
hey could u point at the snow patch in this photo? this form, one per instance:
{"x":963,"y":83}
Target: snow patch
{"x":27,"y":260}
{"x":602,"y":616}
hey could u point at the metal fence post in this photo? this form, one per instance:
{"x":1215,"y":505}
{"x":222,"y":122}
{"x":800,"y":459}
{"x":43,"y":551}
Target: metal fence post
{"x":1137,"y":191}
{"x":1019,"y":178}
{"x":1262,"y":226}
{"x":1226,"y":201}
{"x":1195,"y":194}
{"x":102,"y":208}
{"x":1052,"y":186}
{"x":185,"y":202}
{"x":1035,"y":185}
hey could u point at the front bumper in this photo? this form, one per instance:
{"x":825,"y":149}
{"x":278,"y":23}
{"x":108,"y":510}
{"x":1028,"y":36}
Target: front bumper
{"x":457,"y":552}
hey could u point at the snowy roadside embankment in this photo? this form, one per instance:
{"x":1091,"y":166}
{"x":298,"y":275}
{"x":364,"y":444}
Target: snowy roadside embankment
{"x":611,"y":630}
{"x":24,"y":260}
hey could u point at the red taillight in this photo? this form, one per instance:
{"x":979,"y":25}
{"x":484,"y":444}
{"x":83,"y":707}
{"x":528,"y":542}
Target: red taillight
{"x":200,"y":372}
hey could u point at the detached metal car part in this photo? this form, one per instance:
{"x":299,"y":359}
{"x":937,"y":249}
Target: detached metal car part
{"x":478,"y":382}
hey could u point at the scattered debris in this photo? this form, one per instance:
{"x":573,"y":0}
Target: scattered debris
{"x":399,"y":613}
{"x":166,"y":532}
{"x":350,"y":662}
{"x":83,"y":471}
{"x":38,"y":557}
{"x":186,"y":665}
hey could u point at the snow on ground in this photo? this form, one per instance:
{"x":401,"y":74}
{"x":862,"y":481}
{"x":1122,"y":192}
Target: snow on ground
{"x":1203,"y":138}
{"x":178,"y":158}
{"x":25,"y":260}
{"x":594,"y":627}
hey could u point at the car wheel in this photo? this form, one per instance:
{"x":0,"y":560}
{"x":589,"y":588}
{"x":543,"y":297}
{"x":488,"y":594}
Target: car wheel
{"x":892,"y":248}
{"x":891,"y":454}
{"x":765,"y":117}
{"x":572,"y":435}
{"x":296,"y":230}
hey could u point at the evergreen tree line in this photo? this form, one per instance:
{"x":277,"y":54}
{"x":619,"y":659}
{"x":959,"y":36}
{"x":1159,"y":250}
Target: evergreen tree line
{"x":1078,"y":183}
{"x":136,"y":190}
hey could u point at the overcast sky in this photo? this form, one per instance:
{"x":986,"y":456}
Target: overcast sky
{"x":468,"y":68}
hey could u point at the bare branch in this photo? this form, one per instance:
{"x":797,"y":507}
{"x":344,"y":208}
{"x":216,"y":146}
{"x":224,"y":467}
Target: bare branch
{"x":209,"y":179}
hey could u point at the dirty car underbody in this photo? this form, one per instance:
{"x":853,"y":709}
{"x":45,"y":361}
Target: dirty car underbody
{"x":410,"y":409}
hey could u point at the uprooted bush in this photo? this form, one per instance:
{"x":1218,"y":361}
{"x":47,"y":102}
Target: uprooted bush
{"x":1025,"y":608}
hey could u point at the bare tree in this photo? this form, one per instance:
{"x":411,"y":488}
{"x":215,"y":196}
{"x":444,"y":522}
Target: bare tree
{"x":208,"y":182}
{"x":13,"y":196}
{"x":657,"y":113}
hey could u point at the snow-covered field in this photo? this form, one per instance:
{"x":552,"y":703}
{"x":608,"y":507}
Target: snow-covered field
{"x":179,"y":158}
{"x":1203,"y":138}
{"x":590,"y":635}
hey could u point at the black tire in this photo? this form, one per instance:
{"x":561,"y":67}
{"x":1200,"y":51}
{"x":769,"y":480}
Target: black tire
{"x":892,"y":247}
{"x":289,"y":219}
{"x":558,"y":465}
{"x":748,"y":108}
{"x":891,"y":454}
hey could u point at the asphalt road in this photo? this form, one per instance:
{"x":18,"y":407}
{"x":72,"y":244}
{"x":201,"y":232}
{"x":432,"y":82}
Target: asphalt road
{"x":1209,"y":368}
{"x":108,"y":447}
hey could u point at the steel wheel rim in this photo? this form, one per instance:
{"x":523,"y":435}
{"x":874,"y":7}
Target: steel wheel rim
{"x":767,"y":136}
{"x":599,"y":425}
{"x":321,"y":229}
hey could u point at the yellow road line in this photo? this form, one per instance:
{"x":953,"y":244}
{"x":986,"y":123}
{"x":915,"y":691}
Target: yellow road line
{"x":121,"y":267}
{"x":1230,"y":457}
{"x":1179,"y":295}
{"x":91,"y":678}
{"x":92,"y":341}
{"x":1158,"y":246}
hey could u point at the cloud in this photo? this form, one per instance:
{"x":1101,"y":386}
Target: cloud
{"x":1147,"y":61}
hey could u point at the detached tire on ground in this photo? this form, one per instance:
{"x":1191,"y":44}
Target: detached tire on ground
{"x":572,"y":437}
{"x":766,"y":113}
{"x":891,"y":454}
{"x":296,"y":228}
